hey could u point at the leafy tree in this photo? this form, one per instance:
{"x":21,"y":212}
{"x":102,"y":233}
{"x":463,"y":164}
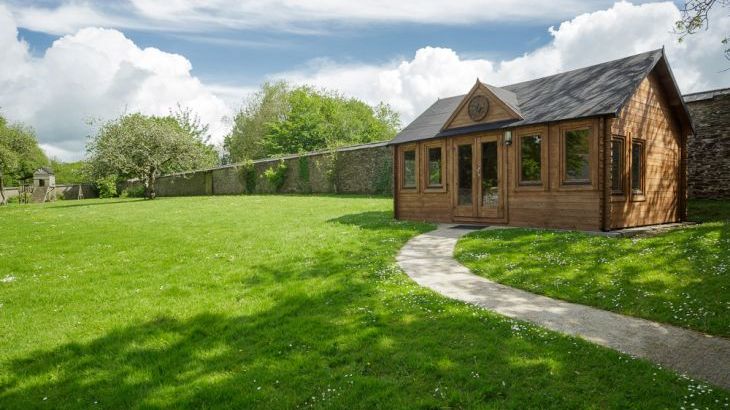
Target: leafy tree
{"x":696,"y":17}
{"x":145,"y":147}
{"x":69,"y":172}
{"x":20,"y":154}
{"x":283,"y":120}
{"x":266,"y":106}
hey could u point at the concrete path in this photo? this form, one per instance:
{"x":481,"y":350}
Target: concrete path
{"x":428,"y":260}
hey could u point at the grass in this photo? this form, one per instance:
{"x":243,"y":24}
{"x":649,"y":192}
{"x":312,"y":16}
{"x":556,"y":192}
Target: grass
{"x":271,"y":302}
{"x":680,"y":277}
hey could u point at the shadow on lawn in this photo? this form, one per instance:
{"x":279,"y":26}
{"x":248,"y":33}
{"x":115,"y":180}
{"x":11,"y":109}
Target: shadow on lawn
{"x":378,"y":220}
{"x":96,"y":202}
{"x":303,"y":346}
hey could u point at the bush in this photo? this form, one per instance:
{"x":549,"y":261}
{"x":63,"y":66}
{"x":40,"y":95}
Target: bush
{"x":133,"y":191}
{"x":276,"y":175}
{"x":107,"y":187}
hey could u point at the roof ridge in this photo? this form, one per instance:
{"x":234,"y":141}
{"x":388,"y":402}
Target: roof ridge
{"x":582,"y":68}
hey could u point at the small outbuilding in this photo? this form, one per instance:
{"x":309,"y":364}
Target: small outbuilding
{"x":44,"y":177}
{"x":597,"y":148}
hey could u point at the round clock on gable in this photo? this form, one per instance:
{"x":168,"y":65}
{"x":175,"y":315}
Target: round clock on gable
{"x":478,"y":107}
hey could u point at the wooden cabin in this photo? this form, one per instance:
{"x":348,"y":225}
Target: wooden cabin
{"x":597,"y":148}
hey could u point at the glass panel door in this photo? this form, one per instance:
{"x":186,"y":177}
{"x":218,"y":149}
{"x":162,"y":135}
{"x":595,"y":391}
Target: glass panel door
{"x":490,"y":175}
{"x":464,"y":175}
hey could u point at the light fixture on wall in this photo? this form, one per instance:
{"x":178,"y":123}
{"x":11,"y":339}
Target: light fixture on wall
{"x":508,"y":137}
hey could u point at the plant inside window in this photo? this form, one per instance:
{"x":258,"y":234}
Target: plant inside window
{"x":637,"y":167}
{"x":577,"y":156}
{"x":617,"y":165}
{"x":409,"y":169}
{"x":434,"y":167}
{"x":530,"y":160}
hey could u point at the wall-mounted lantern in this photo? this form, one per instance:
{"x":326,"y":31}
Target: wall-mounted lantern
{"x":508,"y":137}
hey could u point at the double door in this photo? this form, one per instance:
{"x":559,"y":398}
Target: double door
{"x":478,"y":178}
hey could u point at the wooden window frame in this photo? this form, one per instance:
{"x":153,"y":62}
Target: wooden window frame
{"x":621,"y":192}
{"x":638,"y":195}
{"x":427,"y":187}
{"x":402,"y":170}
{"x":580,"y":185}
{"x":544,"y":169}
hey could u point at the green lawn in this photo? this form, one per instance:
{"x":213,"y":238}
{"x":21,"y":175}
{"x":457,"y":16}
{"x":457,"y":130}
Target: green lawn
{"x":680,"y":277}
{"x":271,"y":302}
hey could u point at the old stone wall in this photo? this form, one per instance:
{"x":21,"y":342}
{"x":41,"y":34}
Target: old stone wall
{"x":708,"y":159}
{"x":362,"y":169}
{"x":66,"y":192}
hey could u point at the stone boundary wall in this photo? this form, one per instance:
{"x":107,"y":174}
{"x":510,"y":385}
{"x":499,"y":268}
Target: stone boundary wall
{"x":68,"y":191}
{"x":708,"y":151}
{"x":360,"y":169}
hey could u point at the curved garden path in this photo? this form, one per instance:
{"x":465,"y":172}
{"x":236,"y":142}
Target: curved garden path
{"x":428,"y":260}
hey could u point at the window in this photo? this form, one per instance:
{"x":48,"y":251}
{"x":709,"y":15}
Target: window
{"x":435,"y":167}
{"x":637,"y":167}
{"x":409,"y":169}
{"x":576,"y":147}
{"x":530,"y":160}
{"x":617,"y":166}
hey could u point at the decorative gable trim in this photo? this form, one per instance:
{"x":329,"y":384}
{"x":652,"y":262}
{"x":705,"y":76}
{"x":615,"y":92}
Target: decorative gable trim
{"x":504,"y":99}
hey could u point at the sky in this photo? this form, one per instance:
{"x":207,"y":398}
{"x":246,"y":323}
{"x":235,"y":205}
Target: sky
{"x":66,"y":65}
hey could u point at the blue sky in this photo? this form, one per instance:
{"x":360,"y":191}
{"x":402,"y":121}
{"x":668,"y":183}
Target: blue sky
{"x":248,"y":56}
{"x":71,"y":61}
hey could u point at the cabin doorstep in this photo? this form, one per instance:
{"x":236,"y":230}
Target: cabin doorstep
{"x":597,"y":148}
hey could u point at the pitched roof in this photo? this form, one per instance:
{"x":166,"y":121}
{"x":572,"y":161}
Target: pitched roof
{"x":600,"y":89}
{"x":43,"y":171}
{"x":705,"y":95}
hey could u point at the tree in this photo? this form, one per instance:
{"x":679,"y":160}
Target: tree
{"x":695,"y":17}
{"x":250,"y":124}
{"x":280,"y":119}
{"x":20,"y":154}
{"x":145,"y":147}
{"x":68,"y":172}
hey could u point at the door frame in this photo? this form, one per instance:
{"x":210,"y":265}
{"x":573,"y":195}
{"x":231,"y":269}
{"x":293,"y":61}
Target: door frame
{"x":462,"y":211}
{"x":498,"y":212}
{"x":475,"y":212}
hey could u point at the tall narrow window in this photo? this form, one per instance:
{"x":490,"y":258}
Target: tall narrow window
{"x":577,"y":156}
{"x":637,"y":167}
{"x":435,"y":168}
{"x":409,"y":169}
{"x":617,"y":166}
{"x":530,"y":160}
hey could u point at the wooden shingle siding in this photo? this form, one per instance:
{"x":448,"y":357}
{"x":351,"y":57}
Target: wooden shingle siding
{"x":648,"y":117}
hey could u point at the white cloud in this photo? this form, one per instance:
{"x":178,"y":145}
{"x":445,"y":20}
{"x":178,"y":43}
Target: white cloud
{"x":95,"y":73}
{"x":100,"y":73}
{"x":313,"y":16}
{"x":411,"y":85}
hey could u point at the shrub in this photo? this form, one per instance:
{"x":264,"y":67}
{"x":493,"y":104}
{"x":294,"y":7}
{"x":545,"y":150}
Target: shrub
{"x":248,"y":175}
{"x":107,"y":186}
{"x":133,"y":191}
{"x":276,"y":175}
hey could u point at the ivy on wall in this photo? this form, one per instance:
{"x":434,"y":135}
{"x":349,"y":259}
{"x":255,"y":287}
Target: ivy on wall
{"x":248,"y":176}
{"x":304,"y":184}
{"x":276,"y":175}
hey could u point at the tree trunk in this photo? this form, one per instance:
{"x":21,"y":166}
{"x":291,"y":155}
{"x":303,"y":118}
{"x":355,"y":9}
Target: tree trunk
{"x":150,"y":187}
{"x":3,"y":200}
